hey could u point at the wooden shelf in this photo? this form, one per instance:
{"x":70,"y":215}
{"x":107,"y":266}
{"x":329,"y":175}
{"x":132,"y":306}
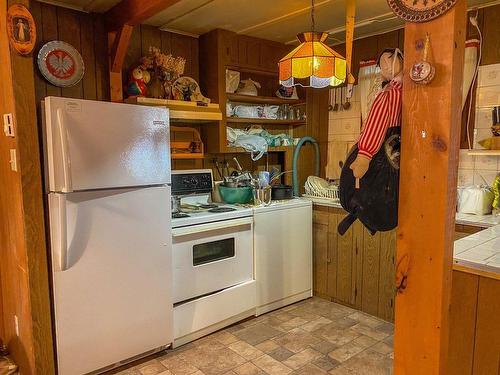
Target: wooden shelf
{"x":179,"y":155}
{"x":235,"y":150}
{"x":244,"y":69}
{"x":262,"y":99}
{"x":181,"y":111}
{"x":483,"y":153}
{"x":264,"y":121}
{"x":487,"y":106}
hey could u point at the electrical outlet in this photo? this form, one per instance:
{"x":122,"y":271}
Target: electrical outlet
{"x":8,"y":125}
{"x":16,"y":325}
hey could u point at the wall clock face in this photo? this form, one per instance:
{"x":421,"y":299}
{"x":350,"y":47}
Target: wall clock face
{"x":420,"y":10}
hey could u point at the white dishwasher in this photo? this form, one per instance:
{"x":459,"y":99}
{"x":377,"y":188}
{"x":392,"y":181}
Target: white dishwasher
{"x":283,"y":253}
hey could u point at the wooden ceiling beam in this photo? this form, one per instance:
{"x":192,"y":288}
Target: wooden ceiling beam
{"x":134,"y":12}
{"x":120,"y":21}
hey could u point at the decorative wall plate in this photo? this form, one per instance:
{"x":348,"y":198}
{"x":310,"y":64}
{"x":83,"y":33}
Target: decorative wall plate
{"x":21,"y":29}
{"x":187,"y":89}
{"x":420,"y":10}
{"x":60,"y":63}
{"x":422,"y":72}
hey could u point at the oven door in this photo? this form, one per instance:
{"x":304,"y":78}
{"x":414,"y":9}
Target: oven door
{"x":210,"y":257}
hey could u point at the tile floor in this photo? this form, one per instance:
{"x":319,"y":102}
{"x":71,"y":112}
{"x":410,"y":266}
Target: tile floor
{"x":311,"y":337}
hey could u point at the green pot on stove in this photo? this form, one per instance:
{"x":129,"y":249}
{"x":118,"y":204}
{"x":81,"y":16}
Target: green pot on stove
{"x":232,"y":195}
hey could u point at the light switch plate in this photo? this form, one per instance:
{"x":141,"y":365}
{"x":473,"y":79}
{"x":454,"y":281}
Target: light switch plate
{"x":8,"y":125}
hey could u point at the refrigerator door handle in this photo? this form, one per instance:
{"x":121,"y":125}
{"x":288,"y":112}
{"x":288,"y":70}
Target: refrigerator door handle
{"x":59,"y":236}
{"x":66,"y":160}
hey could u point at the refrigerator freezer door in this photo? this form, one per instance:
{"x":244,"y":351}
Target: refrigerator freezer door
{"x":95,"y":145}
{"x":112,"y":278}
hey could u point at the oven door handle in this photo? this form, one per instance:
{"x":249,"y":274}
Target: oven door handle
{"x":194,"y":229}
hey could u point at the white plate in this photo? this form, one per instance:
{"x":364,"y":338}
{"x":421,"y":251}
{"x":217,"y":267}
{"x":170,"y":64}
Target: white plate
{"x":60,"y":63}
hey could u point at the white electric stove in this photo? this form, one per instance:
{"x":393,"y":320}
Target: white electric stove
{"x":213,"y":258}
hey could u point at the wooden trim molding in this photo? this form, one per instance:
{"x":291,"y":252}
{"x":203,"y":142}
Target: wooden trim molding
{"x":134,"y":12}
{"x":428,"y":181}
{"x":23,"y":256}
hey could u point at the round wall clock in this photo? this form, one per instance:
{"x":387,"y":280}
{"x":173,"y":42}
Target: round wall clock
{"x":420,"y":10}
{"x":21,"y":29}
{"x":60,"y":63}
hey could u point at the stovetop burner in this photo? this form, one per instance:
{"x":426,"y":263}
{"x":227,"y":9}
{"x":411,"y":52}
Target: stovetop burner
{"x":179,"y":215}
{"x":221,"y":209}
{"x":208,"y":206}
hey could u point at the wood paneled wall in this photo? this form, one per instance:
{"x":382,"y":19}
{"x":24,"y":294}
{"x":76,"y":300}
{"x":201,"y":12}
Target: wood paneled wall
{"x":371,"y":47}
{"x":145,"y":36}
{"x":86,"y":33}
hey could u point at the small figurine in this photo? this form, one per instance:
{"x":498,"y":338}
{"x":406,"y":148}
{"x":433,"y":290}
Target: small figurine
{"x":137,"y":82}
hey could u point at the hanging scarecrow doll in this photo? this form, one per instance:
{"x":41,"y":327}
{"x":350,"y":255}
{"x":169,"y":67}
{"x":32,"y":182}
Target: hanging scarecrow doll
{"x":369,"y":182}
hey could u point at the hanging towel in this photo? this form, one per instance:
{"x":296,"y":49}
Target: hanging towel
{"x":470,"y":62}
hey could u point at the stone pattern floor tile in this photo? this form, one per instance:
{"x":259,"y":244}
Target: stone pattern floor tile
{"x":311,"y":337}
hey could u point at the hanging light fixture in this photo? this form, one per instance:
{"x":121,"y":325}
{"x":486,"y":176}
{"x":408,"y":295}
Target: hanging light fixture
{"x":312,"y":63}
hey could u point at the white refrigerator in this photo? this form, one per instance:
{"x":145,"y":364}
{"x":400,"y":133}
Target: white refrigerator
{"x":107,"y":169}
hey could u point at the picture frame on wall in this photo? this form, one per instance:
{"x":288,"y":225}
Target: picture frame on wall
{"x":21,"y":29}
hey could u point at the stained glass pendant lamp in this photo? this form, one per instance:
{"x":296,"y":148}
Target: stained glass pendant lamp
{"x":312,"y":63}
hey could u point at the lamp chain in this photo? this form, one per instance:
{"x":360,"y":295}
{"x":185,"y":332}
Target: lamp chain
{"x":312,"y":16}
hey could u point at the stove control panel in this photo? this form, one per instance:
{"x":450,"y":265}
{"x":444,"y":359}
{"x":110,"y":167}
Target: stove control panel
{"x":192,"y":182}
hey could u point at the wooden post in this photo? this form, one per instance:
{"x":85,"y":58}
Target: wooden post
{"x":117,"y":47}
{"x":428,"y":185}
{"x":23,"y":254}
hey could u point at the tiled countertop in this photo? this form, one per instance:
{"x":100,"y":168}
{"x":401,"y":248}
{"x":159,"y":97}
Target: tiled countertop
{"x":477,"y":220}
{"x":479,"y":251}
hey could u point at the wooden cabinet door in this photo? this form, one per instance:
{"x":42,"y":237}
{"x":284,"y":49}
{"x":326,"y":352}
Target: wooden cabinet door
{"x":348,"y":265}
{"x":332,"y":256}
{"x":320,"y":252}
{"x":387,"y":276}
{"x":487,"y":343}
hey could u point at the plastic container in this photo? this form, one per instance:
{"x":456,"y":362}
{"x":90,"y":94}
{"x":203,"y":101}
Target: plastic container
{"x":233,"y":195}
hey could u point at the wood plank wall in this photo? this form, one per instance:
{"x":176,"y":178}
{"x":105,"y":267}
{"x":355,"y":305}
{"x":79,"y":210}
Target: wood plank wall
{"x":86,"y":33}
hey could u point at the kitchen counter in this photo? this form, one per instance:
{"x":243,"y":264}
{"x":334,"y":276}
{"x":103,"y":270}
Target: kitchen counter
{"x":323,"y":202}
{"x":477,"y":253}
{"x":480,"y":251}
{"x":484,"y":221}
